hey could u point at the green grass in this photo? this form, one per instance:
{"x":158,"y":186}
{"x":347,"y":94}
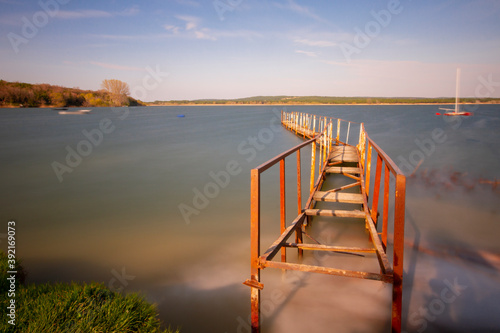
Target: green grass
{"x":75,"y":308}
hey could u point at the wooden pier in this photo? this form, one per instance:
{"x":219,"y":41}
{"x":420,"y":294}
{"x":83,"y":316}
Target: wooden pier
{"x":333,"y":156}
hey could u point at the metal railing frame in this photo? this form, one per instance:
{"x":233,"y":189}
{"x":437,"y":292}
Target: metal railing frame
{"x":305,"y":125}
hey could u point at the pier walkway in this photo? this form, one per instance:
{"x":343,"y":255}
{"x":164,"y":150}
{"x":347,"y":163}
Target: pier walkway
{"x":335,"y":161}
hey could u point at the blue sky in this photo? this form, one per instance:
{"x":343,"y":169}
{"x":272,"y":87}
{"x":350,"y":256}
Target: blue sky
{"x":192,"y":49}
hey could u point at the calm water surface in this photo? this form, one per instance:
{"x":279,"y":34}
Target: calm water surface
{"x":113,"y":196}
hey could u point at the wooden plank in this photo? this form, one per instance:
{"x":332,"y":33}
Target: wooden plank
{"x":384,"y":264}
{"x":320,"y":247}
{"x":328,"y":270}
{"x":275,"y":247}
{"x":343,"y":170}
{"x":336,"y":213}
{"x":345,"y":187}
{"x":344,"y":156}
{"x":344,"y":148}
{"x":355,"y":198}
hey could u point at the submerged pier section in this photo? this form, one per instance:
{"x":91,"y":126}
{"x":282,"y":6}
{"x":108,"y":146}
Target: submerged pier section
{"x":334,"y":154}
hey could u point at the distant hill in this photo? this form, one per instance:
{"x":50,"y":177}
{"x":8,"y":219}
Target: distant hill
{"x":18,"y":94}
{"x":298,"y":100}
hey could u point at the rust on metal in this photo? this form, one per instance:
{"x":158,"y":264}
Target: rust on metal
{"x":334,"y":159}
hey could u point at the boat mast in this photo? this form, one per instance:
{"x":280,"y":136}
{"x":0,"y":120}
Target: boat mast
{"x":457,"y":91}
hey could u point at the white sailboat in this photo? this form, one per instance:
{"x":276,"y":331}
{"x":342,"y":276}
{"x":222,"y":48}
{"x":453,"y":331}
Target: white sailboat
{"x":75,"y":112}
{"x":456,"y":111}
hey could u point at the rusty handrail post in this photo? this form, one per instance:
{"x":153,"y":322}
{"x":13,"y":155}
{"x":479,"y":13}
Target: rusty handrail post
{"x":255,"y":248}
{"x":376,"y":188}
{"x":338,"y":131}
{"x":296,"y":122}
{"x":398,"y":252}
{"x":385,"y":215}
{"x":282,"y":206}
{"x":368,"y":169}
{"x":298,"y":233}
{"x":299,"y":184}
{"x":313,"y":165}
{"x":348,"y":129}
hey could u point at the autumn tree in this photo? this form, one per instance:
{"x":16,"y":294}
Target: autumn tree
{"x":118,"y":90}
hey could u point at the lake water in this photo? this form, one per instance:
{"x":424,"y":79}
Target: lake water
{"x":100,"y":197}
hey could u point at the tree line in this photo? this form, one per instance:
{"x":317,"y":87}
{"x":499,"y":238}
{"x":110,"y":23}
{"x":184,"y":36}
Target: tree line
{"x":296,"y":100}
{"x":18,"y":94}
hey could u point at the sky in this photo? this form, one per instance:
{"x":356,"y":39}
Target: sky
{"x":194,"y":49}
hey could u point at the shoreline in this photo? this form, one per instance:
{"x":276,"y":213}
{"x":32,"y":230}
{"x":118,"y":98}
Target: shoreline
{"x":265,"y":104}
{"x":315,"y":104}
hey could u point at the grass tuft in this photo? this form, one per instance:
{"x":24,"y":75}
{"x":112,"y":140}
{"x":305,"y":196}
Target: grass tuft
{"x":77,"y":308}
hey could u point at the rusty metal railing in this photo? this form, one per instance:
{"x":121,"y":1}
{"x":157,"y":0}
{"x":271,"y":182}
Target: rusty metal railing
{"x":390,"y":168}
{"x":305,"y":125}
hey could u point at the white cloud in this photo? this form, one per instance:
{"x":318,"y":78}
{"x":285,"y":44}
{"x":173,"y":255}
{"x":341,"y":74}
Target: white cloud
{"x":172,"y":28}
{"x":307,"y":53}
{"x":78,"y":14}
{"x":92,"y":13}
{"x":192,"y":25}
{"x":319,"y":43}
{"x":191,"y":21}
{"x":204,"y":34}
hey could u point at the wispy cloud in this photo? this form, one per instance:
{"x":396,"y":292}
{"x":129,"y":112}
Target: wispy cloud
{"x":301,"y":10}
{"x":320,"y":43}
{"x":191,"y":21}
{"x":117,"y":67}
{"x":15,"y":20}
{"x":172,"y":28}
{"x":307,"y":53}
{"x":79,"y":14}
{"x":129,"y":11}
{"x":204,"y":34}
{"x":91,"y":13}
{"x":245,"y":34}
{"x":192,"y":28}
